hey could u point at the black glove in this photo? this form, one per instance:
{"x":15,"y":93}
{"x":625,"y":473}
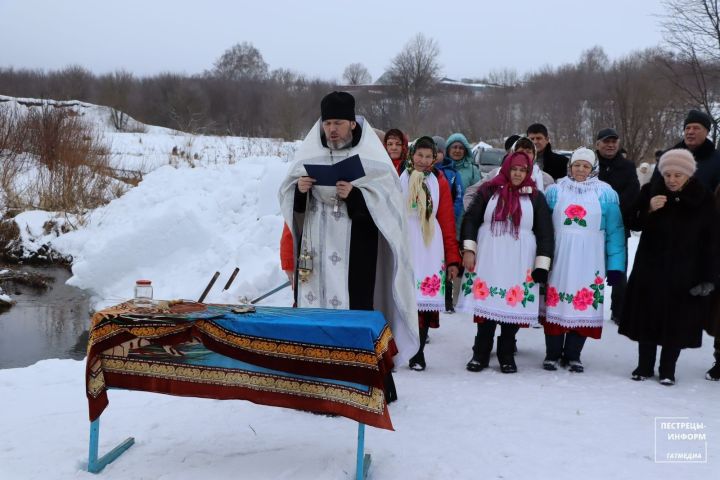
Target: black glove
{"x":539,"y":275}
{"x":702,"y":290}
{"x":613,"y":277}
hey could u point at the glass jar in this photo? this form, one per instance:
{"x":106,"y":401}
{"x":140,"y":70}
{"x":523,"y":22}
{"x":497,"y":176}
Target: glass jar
{"x":143,"y":294}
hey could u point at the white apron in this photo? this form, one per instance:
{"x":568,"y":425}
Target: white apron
{"x":501,"y":288}
{"x":428,"y":260}
{"x":575,"y":290}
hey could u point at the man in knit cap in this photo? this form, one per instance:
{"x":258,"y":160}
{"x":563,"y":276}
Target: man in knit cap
{"x":696,"y":129}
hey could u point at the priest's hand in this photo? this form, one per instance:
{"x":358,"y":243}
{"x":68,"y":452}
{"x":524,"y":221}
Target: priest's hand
{"x":469,"y":260}
{"x":305,"y":184}
{"x":343,"y":189}
{"x":452,"y":272}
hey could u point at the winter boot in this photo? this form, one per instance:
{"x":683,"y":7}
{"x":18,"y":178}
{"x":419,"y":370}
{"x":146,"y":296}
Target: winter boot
{"x":714,"y":373}
{"x":505,"y":355}
{"x":574,"y":343}
{"x":576,"y":366}
{"x":553,"y":351}
{"x":417,"y":362}
{"x":481,"y":352}
{"x":668,"y":360}
{"x":646,"y":362}
{"x":390,"y":390}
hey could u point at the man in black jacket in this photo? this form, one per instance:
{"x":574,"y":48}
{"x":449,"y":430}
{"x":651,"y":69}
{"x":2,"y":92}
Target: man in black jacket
{"x":548,"y":161}
{"x":620,"y":173}
{"x":696,"y":128}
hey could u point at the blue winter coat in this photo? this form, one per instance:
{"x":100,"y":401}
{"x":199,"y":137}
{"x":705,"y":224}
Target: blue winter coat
{"x":456,"y":190}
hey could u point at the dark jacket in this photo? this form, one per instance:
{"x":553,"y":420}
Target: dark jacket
{"x":553,"y":163}
{"x":708,"y":164}
{"x":677,"y":251}
{"x":713,"y":323}
{"x":542,"y":222}
{"x":620,"y":173}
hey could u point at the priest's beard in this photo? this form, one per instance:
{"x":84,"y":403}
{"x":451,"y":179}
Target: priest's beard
{"x":340,"y":143}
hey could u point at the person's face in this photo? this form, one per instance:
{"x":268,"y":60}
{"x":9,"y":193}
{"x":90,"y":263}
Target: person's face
{"x":608,"y":147}
{"x":695,"y":135}
{"x":338,"y":133}
{"x":643,"y":169}
{"x":528,"y":152}
{"x":394,"y":147}
{"x":580,"y":170}
{"x":675,"y":181}
{"x":423,"y":159}
{"x":539,"y":140}
{"x":517,"y":174}
{"x":457,"y":151}
{"x":440,"y":157}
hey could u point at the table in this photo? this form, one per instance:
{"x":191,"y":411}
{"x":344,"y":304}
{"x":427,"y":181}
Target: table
{"x":325,"y":361}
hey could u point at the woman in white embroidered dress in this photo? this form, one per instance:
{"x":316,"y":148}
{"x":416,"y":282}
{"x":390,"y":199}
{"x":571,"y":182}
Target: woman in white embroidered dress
{"x":507,"y":249}
{"x":431,"y":229}
{"x":589,"y":241}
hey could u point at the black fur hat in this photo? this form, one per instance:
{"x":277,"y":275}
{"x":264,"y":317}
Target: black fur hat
{"x":337,"y":106}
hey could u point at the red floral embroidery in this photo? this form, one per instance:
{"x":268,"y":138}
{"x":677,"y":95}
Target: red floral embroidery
{"x":480,"y":289}
{"x":599,"y":280}
{"x":552,"y":298}
{"x":528,"y":276}
{"x":430,"y":286}
{"x":576,"y":214}
{"x":583,"y":299}
{"x":514,"y":295}
{"x":575,"y":211}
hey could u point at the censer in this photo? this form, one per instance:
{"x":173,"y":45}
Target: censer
{"x":305,"y":265}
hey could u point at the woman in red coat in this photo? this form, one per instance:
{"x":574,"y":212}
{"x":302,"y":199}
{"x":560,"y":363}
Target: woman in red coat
{"x":431,"y":234}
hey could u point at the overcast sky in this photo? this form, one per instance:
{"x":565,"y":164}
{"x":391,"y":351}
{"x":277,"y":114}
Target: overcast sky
{"x":318,"y":37}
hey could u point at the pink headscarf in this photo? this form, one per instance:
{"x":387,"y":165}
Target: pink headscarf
{"x":507,"y":211}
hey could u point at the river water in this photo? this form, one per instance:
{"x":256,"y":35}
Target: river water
{"x":44,"y":324}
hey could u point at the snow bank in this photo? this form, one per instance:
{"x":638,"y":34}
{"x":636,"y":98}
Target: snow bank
{"x":178,"y":227}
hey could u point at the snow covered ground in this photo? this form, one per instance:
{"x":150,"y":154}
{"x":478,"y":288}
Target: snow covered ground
{"x":450,"y":423}
{"x":182,"y":224}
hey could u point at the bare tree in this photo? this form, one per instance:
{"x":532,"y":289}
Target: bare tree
{"x":356,"y":74}
{"x":114,"y":92}
{"x":415,"y":71}
{"x":642,"y":110}
{"x":692,"y":29}
{"x":242,"y":61}
{"x":507,"y":77}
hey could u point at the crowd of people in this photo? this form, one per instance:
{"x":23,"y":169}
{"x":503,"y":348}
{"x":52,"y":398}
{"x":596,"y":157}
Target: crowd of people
{"x":532,"y":243}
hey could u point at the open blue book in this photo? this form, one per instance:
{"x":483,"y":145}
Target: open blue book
{"x":346,"y":170}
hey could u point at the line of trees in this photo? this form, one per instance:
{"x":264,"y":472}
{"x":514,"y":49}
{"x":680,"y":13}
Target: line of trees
{"x":644,"y":95}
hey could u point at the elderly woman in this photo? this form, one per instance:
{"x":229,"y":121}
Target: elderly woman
{"x":508,"y":245}
{"x":675,"y":267}
{"x":589,"y":242}
{"x":519,"y":144}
